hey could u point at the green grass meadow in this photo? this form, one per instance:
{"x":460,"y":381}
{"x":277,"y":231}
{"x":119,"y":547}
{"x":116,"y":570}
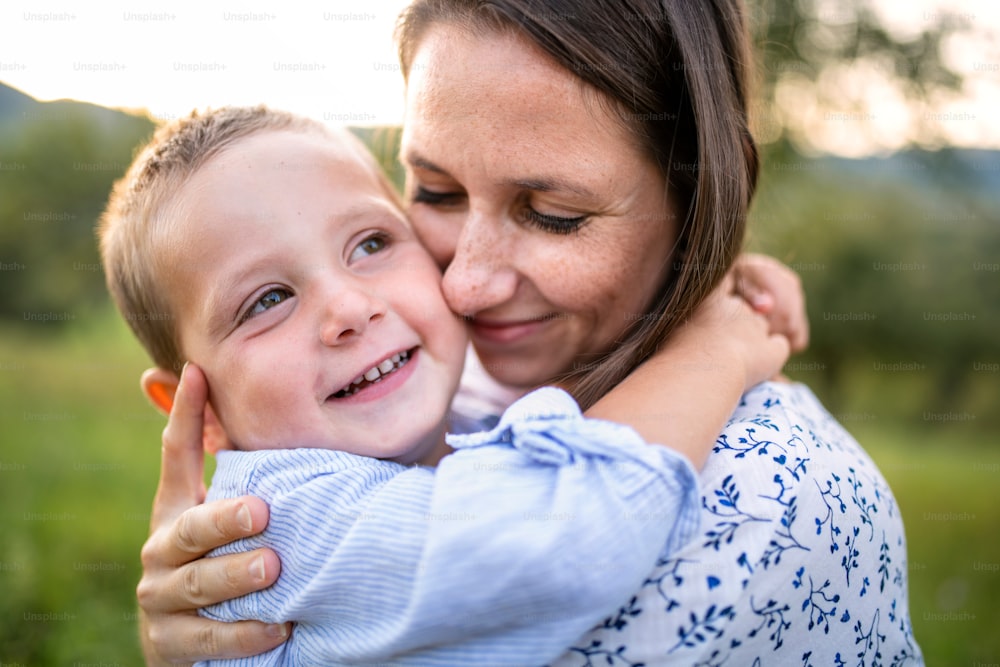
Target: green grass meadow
{"x":80,"y":457}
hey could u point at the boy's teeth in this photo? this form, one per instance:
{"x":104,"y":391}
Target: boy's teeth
{"x":375,"y":373}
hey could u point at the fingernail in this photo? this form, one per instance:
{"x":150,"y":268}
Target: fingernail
{"x":244,"y":519}
{"x":257,"y":568}
{"x":276,"y":631}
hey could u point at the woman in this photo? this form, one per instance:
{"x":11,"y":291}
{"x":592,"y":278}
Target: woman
{"x":583,"y":172}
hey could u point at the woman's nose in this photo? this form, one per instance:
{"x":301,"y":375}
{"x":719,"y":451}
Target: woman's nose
{"x":481,"y":274}
{"x":348,"y":313}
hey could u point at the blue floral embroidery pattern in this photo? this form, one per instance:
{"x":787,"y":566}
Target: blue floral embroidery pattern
{"x":801,"y":557}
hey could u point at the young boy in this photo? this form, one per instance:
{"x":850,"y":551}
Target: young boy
{"x":269,"y":251}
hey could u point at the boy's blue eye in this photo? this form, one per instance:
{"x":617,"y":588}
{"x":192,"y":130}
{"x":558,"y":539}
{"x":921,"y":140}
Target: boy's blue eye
{"x":269,"y":300}
{"x":370,"y":246}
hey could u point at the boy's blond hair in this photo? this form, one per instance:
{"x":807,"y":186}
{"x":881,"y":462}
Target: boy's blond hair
{"x":139,"y":211}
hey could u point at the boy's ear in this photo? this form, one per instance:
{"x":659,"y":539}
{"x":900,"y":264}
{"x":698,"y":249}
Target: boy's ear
{"x":213,"y":435}
{"x":160,"y":385}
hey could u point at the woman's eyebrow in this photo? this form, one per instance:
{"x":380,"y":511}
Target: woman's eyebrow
{"x":549,"y":185}
{"x":417,"y":161}
{"x":539,"y":184}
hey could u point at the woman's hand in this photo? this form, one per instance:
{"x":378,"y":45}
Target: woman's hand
{"x":775,"y":291}
{"x":176,"y":580}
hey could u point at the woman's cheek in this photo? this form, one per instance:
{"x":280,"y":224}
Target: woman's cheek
{"x":437,"y":235}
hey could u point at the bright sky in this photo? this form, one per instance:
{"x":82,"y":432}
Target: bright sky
{"x":338,"y":64}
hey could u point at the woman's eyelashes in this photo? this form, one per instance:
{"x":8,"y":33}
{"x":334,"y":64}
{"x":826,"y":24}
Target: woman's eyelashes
{"x":553,"y":224}
{"x":422,"y":195}
{"x":269,"y":299}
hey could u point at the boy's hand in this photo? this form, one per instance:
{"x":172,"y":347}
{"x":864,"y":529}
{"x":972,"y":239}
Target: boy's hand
{"x":683,"y":395}
{"x":176,"y":581}
{"x":727,"y":329}
{"x":775,"y":291}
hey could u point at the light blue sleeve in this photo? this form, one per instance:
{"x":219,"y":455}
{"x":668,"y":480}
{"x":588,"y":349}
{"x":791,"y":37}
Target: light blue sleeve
{"x":522,"y":540}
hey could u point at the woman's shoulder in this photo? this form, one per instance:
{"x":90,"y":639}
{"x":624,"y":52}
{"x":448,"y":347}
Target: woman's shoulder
{"x":788,"y":413}
{"x":800,"y":534}
{"x":781,"y":396}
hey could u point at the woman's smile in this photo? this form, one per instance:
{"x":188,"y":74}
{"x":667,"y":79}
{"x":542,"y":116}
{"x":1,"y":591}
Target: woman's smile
{"x":501,"y":332}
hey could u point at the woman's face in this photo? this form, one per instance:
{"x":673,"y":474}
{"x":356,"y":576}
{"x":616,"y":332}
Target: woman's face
{"x":552,"y":225}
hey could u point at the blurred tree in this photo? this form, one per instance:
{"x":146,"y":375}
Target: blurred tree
{"x":894,"y":253}
{"x":58,"y":162}
{"x":823,"y":59}
{"x":901,"y":275}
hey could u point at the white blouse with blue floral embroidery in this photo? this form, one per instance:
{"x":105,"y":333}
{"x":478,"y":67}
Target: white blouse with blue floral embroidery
{"x":800,"y":559}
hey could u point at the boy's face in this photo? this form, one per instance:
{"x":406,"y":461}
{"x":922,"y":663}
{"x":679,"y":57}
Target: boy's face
{"x":293,"y":274}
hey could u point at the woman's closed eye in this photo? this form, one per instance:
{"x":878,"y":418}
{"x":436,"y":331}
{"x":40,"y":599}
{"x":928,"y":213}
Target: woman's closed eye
{"x":268,"y":300}
{"x":553,"y":224}
{"x":422,"y":195}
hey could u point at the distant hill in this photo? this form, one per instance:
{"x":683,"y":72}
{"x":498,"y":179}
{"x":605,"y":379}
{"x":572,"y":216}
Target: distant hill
{"x":57,"y":163}
{"x":14,"y":103}
{"x":966,"y":170}
{"x":18,"y":108}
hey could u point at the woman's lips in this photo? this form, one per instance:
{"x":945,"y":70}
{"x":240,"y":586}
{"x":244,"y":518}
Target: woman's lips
{"x":505,"y":332}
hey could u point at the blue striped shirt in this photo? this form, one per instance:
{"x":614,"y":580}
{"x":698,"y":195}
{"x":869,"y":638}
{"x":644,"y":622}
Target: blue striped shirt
{"x":514,"y":546}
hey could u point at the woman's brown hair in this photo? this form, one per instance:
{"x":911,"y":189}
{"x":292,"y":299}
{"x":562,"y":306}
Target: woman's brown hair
{"x":677,"y":74}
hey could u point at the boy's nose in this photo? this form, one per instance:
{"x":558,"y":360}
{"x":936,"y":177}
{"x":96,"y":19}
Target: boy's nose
{"x":348,"y":314}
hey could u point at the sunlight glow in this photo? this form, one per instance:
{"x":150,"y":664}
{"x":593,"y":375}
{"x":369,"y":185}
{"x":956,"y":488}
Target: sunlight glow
{"x":339,"y":65}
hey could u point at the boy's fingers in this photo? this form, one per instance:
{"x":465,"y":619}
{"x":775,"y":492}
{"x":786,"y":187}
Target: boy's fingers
{"x":182,"y":467}
{"x":759,"y":300}
{"x":202,"y":639}
{"x":780,"y":346}
{"x":800,"y":333}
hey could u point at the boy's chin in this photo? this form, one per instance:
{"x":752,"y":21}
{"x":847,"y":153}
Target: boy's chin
{"x":428,"y":450}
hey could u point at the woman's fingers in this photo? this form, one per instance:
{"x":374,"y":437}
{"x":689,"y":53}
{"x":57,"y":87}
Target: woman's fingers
{"x":182,"y":468}
{"x":176,"y":580}
{"x":212,"y":639}
{"x":208,"y":581}
{"x":201,"y":528}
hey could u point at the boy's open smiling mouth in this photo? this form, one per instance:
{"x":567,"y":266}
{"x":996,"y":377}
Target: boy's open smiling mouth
{"x":375,"y":374}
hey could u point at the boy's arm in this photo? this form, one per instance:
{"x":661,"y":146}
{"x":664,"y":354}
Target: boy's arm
{"x":521,"y":541}
{"x":684,"y":395}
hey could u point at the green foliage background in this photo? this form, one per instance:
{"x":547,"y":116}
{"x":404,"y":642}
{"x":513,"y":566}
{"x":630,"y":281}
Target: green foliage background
{"x":899,"y":257}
